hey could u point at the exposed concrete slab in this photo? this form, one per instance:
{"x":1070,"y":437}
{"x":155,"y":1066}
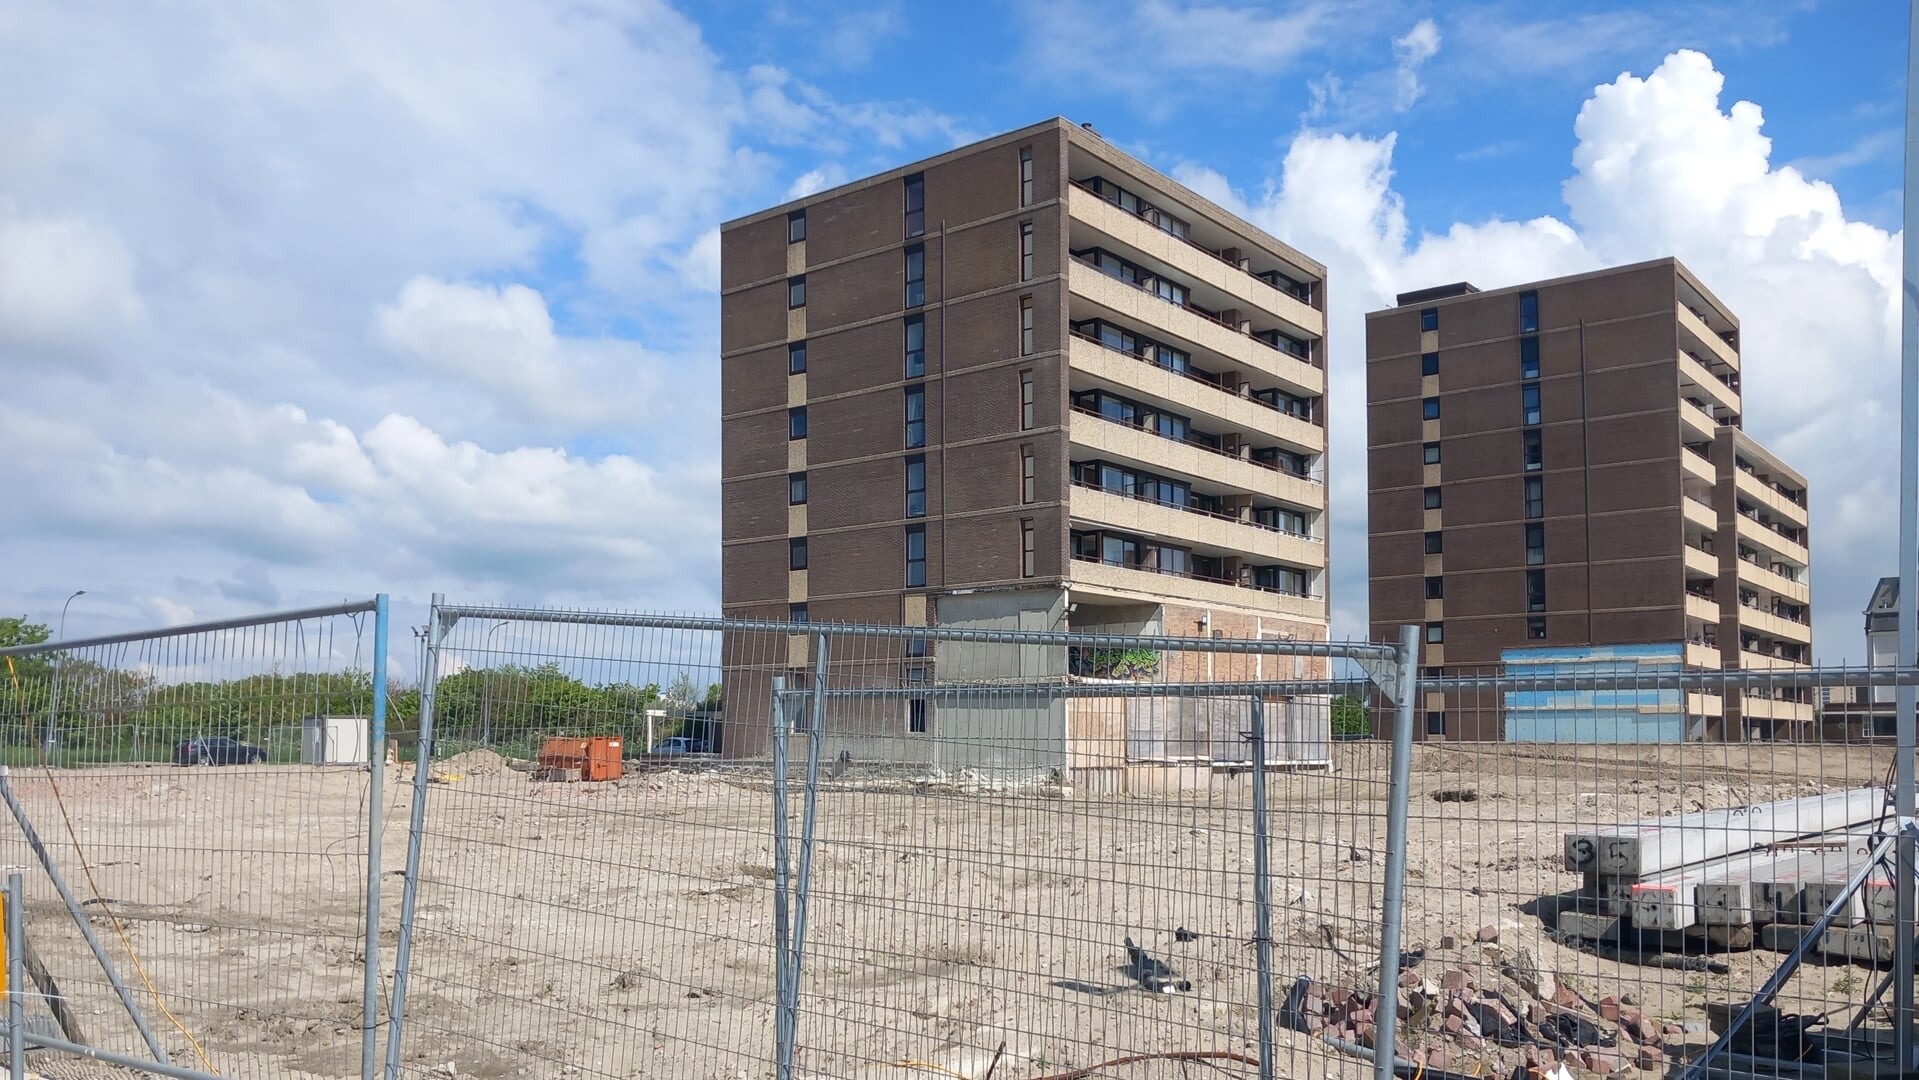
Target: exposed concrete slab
{"x":1779,"y":891}
{"x":1647,"y":848}
{"x":1870,"y":944}
{"x":1590,"y":926}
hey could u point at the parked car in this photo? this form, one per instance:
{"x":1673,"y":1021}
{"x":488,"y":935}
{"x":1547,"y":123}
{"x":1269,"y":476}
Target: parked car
{"x":680,"y":745}
{"x":216,"y":750}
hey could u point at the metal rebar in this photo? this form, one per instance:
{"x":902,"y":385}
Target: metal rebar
{"x":416,"y":830}
{"x":1393,"y":894}
{"x":376,"y":827}
{"x":79,"y":917}
{"x":1262,"y":893}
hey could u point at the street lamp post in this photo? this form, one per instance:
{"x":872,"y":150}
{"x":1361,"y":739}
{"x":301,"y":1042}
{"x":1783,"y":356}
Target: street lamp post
{"x":53,"y":695}
{"x":486,"y":690}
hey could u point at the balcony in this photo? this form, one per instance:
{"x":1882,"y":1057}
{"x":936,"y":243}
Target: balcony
{"x":1703,"y":608}
{"x":1699,"y":704}
{"x":1694,"y":332}
{"x":1764,"y":577}
{"x":1133,"y":583}
{"x":1699,"y":654}
{"x":1192,"y":395}
{"x":1760,"y":621}
{"x":1694,"y":374}
{"x":1754,"y":660}
{"x":1758,"y":708}
{"x":1700,"y":562}
{"x":1200,"y":264}
{"x":1194,"y":527}
{"x":1699,"y":512}
{"x":1088,"y":284}
{"x":1696,"y":465}
{"x":1696,"y":421}
{"x":1768,"y":538}
{"x":1108,"y":438}
{"x":1758,"y":491}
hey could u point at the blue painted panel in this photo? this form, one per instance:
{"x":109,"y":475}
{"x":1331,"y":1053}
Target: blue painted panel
{"x":1635,"y":715}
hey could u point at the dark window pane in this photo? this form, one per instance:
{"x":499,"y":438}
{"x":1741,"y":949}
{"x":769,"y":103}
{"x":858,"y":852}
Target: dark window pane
{"x":1432,"y":498}
{"x":1532,"y":450}
{"x":1529,"y":313}
{"x":796,"y":423}
{"x":915,"y":205}
{"x":915,"y":416}
{"x":1429,"y":319}
{"x":915,"y":276}
{"x":916,"y":487}
{"x":1429,"y":408}
{"x":915,"y":346}
{"x":1429,"y":363}
{"x":1435,"y":633}
{"x":1535,"y":590}
{"x":1432,"y":453}
{"x":1435,"y":723}
{"x":796,"y":553}
{"x":1434,"y":543}
{"x":796,"y":358}
{"x":1536,"y":628}
{"x":916,"y":716}
{"x":1435,"y":588}
{"x":796,"y":226}
{"x":1529,"y":358}
{"x":796,"y":488}
{"x":796,"y":292}
{"x":797,"y":613}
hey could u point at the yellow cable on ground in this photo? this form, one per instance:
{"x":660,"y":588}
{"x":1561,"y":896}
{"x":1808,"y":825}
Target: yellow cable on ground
{"x":87,"y":869}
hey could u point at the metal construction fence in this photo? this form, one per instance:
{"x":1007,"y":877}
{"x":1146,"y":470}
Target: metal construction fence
{"x":606,"y":844}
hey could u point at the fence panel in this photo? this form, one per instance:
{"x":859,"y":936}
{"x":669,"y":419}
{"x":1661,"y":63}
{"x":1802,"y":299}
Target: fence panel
{"x":1608,"y":855}
{"x":222,"y":874}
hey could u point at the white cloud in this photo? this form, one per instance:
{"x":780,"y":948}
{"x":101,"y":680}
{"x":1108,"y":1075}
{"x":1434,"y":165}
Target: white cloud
{"x":1660,"y":169}
{"x":816,"y":180}
{"x":63,"y":284}
{"x":1411,"y":52}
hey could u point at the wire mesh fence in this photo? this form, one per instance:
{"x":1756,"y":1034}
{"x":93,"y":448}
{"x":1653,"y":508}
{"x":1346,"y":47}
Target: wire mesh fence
{"x":193,"y":815}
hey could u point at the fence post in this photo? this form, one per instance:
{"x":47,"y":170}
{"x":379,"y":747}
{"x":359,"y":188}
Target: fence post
{"x":816,"y":715}
{"x":376,"y":827}
{"x":16,"y":994}
{"x":1393,"y":898}
{"x":785,"y":1002}
{"x":1262,"y":893}
{"x":415,"y":835}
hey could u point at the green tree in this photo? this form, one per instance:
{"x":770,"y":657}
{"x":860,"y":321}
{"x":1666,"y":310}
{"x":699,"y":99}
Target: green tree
{"x":713,"y":700}
{"x":1351,"y":716}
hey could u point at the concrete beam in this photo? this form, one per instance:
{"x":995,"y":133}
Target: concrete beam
{"x":1647,"y":848}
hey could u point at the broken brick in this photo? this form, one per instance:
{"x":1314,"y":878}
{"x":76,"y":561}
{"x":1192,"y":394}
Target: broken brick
{"x":1487,"y":935}
{"x":1609,"y":1010}
{"x":1454,"y":980}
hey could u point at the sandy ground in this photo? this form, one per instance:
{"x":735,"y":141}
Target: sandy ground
{"x":626,"y":929}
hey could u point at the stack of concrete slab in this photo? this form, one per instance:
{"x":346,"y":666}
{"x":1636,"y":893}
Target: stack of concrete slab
{"x":1730,"y":874}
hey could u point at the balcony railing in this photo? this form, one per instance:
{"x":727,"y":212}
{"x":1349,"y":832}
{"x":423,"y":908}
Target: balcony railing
{"x":1197,"y":510}
{"x":1784,"y":533}
{"x":1227,"y":454}
{"x":1800,"y":620}
{"x":1300,"y":292}
{"x":1304,"y":358}
{"x":1190,"y":576}
{"x":1196,"y":377}
{"x":1795,"y":496}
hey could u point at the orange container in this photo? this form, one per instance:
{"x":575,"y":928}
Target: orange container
{"x":596,"y":758}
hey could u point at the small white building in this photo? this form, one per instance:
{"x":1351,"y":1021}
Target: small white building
{"x":334,"y":740}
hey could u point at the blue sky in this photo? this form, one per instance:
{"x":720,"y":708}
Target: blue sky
{"x":302,"y":302}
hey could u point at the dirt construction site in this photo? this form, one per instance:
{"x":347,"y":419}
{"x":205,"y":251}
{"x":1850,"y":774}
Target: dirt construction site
{"x":954,"y":926}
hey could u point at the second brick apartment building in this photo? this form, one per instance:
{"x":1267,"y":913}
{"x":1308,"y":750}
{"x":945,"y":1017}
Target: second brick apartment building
{"x":1027,"y":383}
{"x":1559,"y":469}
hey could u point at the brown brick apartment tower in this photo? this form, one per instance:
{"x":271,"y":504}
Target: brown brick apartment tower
{"x":1560,"y":467}
{"x":1030,"y":383}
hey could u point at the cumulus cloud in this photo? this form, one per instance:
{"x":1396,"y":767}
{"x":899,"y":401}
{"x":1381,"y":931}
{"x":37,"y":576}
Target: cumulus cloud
{"x":64,"y":283}
{"x":1661,"y":168}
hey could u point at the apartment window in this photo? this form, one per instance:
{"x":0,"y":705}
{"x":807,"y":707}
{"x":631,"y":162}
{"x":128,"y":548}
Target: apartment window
{"x":916,"y":716}
{"x":796,"y":488}
{"x":1536,"y":628}
{"x":1028,"y":475}
{"x":1026,"y":326}
{"x":1429,"y":408}
{"x":796,"y":226}
{"x":796,"y":553}
{"x":1535,"y":497}
{"x":916,"y":486}
{"x":1026,"y":251}
{"x":1026,"y":176}
{"x":915,"y":674}
{"x":1531,"y":450}
{"x":915,"y":205}
{"x":916,"y":647}
{"x":1026,"y":400}
{"x":916,"y":275}
{"x":797,"y":613}
{"x":1529,"y":402}
{"x":1429,"y":319}
{"x":1435,"y":588}
{"x":915,"y":346}
{"x":1432,"y":498}
{"x":1435,"y":633}
{"x":915,"y":556}
{"x":1529,"y":313}
{"x":1529,"y":358}
{"x":915,"y":416}
{"x":796,"y":423}
{"x":796,"y":358}
{"x":1028,"y":539}
{"x":796,"y":292}
{"x":1535,"y":590}
{"x":1435,"y":723}
{"x":1434,"y":543}
{"x":1431,"y":450}
{"x":1535,"y":545}
{"x":1429,"y":363}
